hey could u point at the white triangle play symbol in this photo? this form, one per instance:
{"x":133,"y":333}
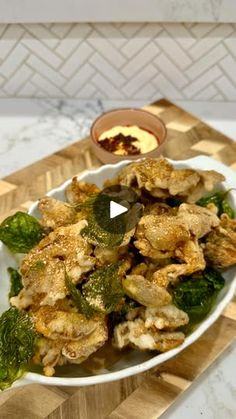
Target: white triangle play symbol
{"x":116,"y":209}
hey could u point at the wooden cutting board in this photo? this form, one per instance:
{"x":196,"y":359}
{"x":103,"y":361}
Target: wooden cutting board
{"x":147,"y":395}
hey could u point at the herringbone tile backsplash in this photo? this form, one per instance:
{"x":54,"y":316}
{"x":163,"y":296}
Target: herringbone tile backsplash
{"x":119,"y":61}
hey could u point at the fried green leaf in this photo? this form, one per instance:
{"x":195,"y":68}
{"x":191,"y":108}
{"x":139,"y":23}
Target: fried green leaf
{"x":104,"y":290}
{"x":197,"y":293}
{"x":219,"y":199}
{"x":215,"y":199}
{"x":20,"y":232}
{"x":88,"y":203}
{"x":83,"y":306}
{"x":15,"y":281}
{"x":17,"y":340}
{"x":227,"y":209}
{"x":98,"y":231}
{"x":100,"y":236}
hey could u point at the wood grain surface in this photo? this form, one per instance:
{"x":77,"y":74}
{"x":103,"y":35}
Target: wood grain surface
{"x":147,"y":395}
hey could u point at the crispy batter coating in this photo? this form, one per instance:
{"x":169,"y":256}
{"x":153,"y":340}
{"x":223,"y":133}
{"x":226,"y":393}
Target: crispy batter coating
{"x":67,"y":337}
{"x":135,"y":333}
{"x":44,"y":278}
{"x":48,"y":354}
{"x":182,"y":180}
{"x":79,"y":350}
{"x":157,"y":236}
{"x":79,"y":191}
{"x":145,"y":292}
{"x":208,"y":180}
{"x":168,"y":317}
{"x":150,"y":174}
{"x":175,"y":236}
{"x":152,"y":328}
{"x":220,"y":248}
{"x":58,"y":324}
{"x":104,"y":256}
{"x":191,"y":254}
{"x":63,"y":250}
{"x":56,"y":213}
{"x":160,"y":179}
{"x":198,"y":220}
{"x":168,"y":242}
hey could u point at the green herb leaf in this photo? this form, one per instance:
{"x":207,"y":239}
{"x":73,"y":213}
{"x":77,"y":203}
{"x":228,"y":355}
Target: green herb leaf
{"x":215,"y":199}
{"x":79,"y":300}
{"x":16,"y":282}
{"x":197,"y":293}
{"x":226,"y":209}
{"x":104,"y":290}
{"x":89,"y":202}
{"x":21,"y":232}
{"x":101,"y":236}
{"x":214,"y":278}
{"x":17,"y":339}
{"x":219,"y":199}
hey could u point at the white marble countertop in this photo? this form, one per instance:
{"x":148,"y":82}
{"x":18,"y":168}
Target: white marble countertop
{"x":117,"y":11}
{"x":32,"y":129}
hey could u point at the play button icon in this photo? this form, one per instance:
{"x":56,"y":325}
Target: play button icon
{"x":116,"y":209}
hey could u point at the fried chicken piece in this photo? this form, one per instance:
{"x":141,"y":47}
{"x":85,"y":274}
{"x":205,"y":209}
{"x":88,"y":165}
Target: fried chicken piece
{"x":150,"y":174}
{"x":220,"y":248}
{"x":106,"y":255}
{"x":182,"y":180}
{"x":58,"y":324}
{"x":157,"y":236}
{"x":63,"y":250}
{"x":51,"y":352}
{"x":148,"y":267}
{"x":48,"y":354}
{"x":208,"y":180}
{"x":23,"y":300}
{"x":167,"y":236}
{"x":79,"y":191}
{"x":198,"y":220}
{"x":160,"y":179}
{"x":193,"y":184}
{"x":42,"y":277}
{"x":168,"y":317}
{"x":79,"y":350}
{"x":145,"y":292}
{"x":56,"y":213}
{"x":136,"y":334}
{"x":191,"y":254}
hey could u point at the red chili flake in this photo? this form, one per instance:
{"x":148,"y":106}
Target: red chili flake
{"x":120,"y":142}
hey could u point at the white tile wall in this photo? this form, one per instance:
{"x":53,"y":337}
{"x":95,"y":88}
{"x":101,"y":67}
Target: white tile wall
{"x":119,"y":61}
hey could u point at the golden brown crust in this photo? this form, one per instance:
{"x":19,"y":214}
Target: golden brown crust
{"x":79,"y":191}
{"x":167,"y":243}
{"x":220,"y":248}
{"x":56,"y":213}
{"x":161,"y":180}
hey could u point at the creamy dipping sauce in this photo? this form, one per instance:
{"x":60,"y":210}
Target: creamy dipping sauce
{"x":124,"y":140}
